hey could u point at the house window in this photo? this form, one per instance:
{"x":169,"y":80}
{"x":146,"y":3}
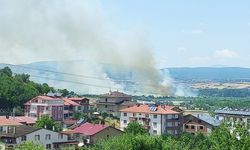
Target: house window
{"x":154,"y":124}
{"x":48,"y":146}
{"x":37,"y":137}
{"x":23,"y":138}
{"x":125,"y":114}
{"x":154,"y":131}
{"x":106,"y":99}
{"x":1,"y":129}
{"x":192,"y":127}
{"x":47,"y":137}
{"x":125,"y":121}
{"x":201,"y":127}
{"x":147,"y":115}
{"x":186,"y":126}
{"x":134,"y":114}
{"x":106,"y":106}
{"x":139,"y":113}
{"x":155,"y":116}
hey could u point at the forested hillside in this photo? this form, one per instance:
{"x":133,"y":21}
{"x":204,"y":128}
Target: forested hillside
{"x":16,"y":89}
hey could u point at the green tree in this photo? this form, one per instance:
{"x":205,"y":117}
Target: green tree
{"x":29,"y":146}
{"x":47,"y":122}
{"x":135,"y":128}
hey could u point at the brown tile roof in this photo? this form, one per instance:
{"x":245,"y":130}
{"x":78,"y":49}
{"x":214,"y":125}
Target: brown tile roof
{"x":161,"y":109}
{"x":115,"y":94}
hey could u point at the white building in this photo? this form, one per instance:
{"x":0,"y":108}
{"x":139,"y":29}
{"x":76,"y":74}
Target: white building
{"x":20,"y":134}
{"x":158,"y":120}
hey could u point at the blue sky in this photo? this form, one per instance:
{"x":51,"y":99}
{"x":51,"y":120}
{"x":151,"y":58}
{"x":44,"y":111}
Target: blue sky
{"x":188,"y":33}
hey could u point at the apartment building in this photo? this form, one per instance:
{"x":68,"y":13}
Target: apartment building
{"x":56,"y":106}
{"x":233,"y":116}
{"x":112,"y":102}
{"x":83,"y":102}
{"x":157,"y":119}
{"x":45,"y":105}
{"x":199,"y":123}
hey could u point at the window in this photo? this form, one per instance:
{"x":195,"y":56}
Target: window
{"x":154,"y":124}
{"x":176,"y":116}
{"x":139,"y":113}
{"x":154,"y":131}
{"x":192,"y":127}
{"x":125,"y":121}
{"x":37,"y":137}
{"x":1,"y":129}
{"x":48,"y":146}
{"x":47,"y":137}
{"x":155,"y":116}
{"x":125,"y":114}
{"x":23,"y":138}
{"x":106,"y":99}
{"x":106,"y":106}
{"x":147,"y":115}
{"x":175,"y":132}
{"x":134,"y":114}
{"x":201,"y":127}
{"x":186,"y":126}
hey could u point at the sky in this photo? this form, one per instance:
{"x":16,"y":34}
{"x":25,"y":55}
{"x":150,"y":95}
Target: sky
{"x":188,"y":33}
{"x":176,"y":33}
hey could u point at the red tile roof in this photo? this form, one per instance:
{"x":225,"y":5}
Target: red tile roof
{"x":161,"y":109}
{"x":8,"y":122}
{"x":69,"y":102}
{"x":89,"y":129}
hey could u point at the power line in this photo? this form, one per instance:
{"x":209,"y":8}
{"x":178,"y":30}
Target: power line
{"x":83,"y":76}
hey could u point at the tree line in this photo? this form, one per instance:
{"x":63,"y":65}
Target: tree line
{"x":16,"y":89}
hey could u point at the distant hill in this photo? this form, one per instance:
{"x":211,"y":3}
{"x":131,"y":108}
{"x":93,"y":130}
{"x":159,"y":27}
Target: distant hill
{"x":222,"y":74}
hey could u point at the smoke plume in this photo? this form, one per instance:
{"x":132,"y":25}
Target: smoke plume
{"x":58,"y":30}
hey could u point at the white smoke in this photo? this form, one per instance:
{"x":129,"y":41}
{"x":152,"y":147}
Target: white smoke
{"x":34,"y":30}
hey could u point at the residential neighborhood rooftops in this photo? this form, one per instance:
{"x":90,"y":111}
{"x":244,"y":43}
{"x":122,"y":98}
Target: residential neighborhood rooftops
{"x":147,"y":109}
{"x":89,"y":129}
{"x":8,"y":122}
{"x":21,"y":119}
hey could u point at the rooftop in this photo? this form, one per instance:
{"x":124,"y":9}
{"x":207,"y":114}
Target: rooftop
{"x":151,"y":109}
{"x":115,"y":94}
{"x":208,"y":119}
{"x":68,"y":102}
{"x":22,"y":119}
{"x":230,"y":111}
{"x":20,"y":131}
{"x":8,"y":122}
{"x":89,"y":129}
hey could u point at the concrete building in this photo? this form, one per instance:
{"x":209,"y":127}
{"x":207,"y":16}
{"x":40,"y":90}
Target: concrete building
{"x":92,"y":133}
{"x":233,"y":116}
{"x":157,"y":119}
{"x":199,"y":123}
{"x":112,"y":102}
